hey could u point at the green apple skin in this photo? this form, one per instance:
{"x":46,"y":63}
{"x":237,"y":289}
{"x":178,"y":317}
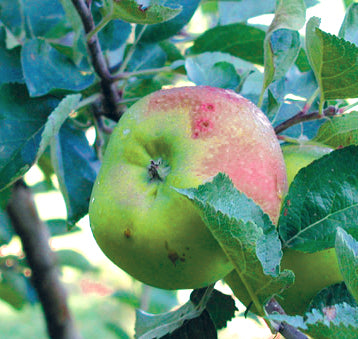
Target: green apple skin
{"x":189,"y":135}
{"x":299,"y":156}
{"x":313,"y":271}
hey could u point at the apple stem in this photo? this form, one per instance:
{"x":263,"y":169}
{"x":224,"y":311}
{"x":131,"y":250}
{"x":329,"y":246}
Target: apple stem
{"x":157,"y":170}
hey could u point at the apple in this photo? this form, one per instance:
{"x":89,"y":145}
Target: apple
{"x":180,"y":137}
{"x":313,"y":271}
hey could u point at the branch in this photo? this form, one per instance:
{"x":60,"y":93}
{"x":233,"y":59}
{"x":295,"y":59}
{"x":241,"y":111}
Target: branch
{"x":288,"y":331}
{"x":303,"y":116}
{"x":109,"y":89}
{"x":45,"y":276}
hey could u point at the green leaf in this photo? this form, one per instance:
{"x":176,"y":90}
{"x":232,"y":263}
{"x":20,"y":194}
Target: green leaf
{"x":15,"y":288}
{"x":239,"y":40}
{"x":220,"y":306}
{"x":42,"y":16}
{"x":271,"y":106}
{"x":347,"y":254}
{"x":281,"y":50}
{"x":330,"y":296}
{"x":302,"y":61}
{"x":282,"y":41}
{"x":21,"y":123}
{"x":60,"y":227}
{"x":172,"y":51}
{"x":198,"y":318}
{"x":45,"y":69}
{"x":322,"y":197}
{"x":140,"y":88}
{"x":339,"y":131}
{"x":212,"y":69}
{"x":334,"y":62}
{"x":76,"y":167}
{"x":159,"y":300}
{"x":56,"y":119}
{"x":10,"y":64}
{"x":147,"y":56}
{"x":12,"y":17}
{"x":246,"y":235}
{"x":289,"y":14}
{"x":74,"y":259}
{"x":150,"y":326}
{"x":201,"y":327}
{"x":347,"y":3}
{"x":165,"y":30}
{"x":348,"y":30}
{"x":242,"y":10}
{"x":200,"y":71}
{"x":114,"y":34}
{"x":335,"y":322}
{"x":6,"y":231}
{"x":133,"y":11}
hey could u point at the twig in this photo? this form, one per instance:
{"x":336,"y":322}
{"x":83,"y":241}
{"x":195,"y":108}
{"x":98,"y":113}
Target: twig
{"x":303,"y":116}
{"x":288,"y":331}
{"x":45,"y":276}
{"x":109,"y":90}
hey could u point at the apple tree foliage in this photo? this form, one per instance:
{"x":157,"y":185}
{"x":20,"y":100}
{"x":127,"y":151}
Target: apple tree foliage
{"x":64,"y":63}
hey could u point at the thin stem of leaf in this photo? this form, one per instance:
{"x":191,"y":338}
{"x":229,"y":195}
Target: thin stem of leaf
{"x":204,"y":300}
{"x":346,"y":108}
{"x":310,"y":101}
{"x":132,"y":49}
{"x":261,"y":98}
{"x":103,"y":23}
{"x":89,"y":100}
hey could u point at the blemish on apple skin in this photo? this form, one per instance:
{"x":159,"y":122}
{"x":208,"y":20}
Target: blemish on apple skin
{"x":207,"y":107}
{"x":173,"y":255}
{"x":127,"y":233}
{"x":201,"y":127}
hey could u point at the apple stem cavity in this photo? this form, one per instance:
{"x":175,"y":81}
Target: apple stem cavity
{"x":158,"y":170}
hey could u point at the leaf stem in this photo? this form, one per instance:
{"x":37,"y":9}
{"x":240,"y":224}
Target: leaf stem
{"x":89,"y":100}
{"x":310,"y":101}
{"x":346,"y":108}
{"x":132,"y":49}
{"x":261,"y":98}
{"x":103,"y":23}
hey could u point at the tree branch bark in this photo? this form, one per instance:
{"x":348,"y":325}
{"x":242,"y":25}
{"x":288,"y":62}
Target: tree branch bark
{"x":35,"y":237}
{"x":288,"y":331}
{"x":111,"y":96}
{"x":303,"y":116}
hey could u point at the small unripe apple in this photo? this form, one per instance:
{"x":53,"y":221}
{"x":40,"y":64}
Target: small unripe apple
{"x":313,"y":271}
{"x":182,"y":138}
